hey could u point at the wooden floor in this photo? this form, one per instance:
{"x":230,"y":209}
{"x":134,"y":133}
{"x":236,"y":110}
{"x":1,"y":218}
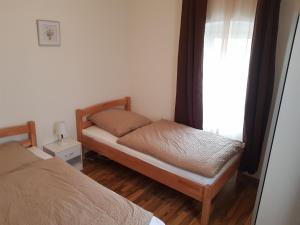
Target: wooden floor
{"x":233,"y":205}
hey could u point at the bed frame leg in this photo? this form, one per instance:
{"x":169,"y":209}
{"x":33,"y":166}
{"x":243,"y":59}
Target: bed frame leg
{"x":206,"y":207}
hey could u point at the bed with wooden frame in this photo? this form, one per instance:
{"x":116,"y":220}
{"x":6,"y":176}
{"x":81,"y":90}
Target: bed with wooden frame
{"x":30,"y":143}
{"x":201,"y":192}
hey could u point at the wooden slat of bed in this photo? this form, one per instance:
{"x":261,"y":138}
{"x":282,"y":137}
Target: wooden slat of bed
{"x":13,"y":131}
{"x":28,"y":128}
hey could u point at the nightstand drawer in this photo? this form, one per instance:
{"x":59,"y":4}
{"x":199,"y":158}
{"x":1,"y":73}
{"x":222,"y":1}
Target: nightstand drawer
{"x":69,"y":153}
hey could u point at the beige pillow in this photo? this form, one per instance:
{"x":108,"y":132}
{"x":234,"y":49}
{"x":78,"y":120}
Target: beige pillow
{"x":118,"y":122}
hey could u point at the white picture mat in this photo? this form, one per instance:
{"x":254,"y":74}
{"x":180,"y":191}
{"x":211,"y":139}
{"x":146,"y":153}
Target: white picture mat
{"x":48,"y":33}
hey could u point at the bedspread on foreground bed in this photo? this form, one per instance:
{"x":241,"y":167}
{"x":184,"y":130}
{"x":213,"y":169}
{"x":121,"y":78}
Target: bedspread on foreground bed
{"x":195,"y":150}
{"x":51,"y":192}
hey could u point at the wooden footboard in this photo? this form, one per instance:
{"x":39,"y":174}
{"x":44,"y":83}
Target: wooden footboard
{"x":201,"y":192}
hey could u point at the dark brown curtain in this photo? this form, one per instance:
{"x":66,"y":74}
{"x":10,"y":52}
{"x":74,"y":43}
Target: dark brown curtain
{"x":189,"y":108}
{"x":260,"y":81}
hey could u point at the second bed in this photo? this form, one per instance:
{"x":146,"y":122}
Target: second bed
{"x":195,"y":185}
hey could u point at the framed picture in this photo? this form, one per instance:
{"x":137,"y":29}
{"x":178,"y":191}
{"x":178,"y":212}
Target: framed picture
{"x":48,"y":33}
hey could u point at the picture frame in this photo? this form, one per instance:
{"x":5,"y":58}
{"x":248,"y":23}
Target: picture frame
{"x":48,"y":33}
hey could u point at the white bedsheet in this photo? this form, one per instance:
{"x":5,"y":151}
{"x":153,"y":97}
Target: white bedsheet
{"x":111,"y":140}
{"x":43,"y":155}
{"x":156,"y":221}
{"x":39,"y":153}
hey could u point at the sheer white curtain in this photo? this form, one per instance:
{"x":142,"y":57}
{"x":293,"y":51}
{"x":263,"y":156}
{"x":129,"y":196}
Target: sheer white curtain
{"x":228,"y":38}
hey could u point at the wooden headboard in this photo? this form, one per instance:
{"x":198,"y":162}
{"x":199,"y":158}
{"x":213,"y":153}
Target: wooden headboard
{"x":81,"y":114}
{"x":28,"y":128}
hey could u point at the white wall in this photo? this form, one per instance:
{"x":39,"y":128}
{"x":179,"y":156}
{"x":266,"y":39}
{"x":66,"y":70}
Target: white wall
{"x":154,"y":38}
{"x":288,"y":14}
{"x":47,"y":84}
{"x":280,"y":200}
{"x":110,"y":48}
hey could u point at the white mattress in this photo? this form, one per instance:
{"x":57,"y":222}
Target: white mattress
{"x":39,"y":153}
{"x":43,"y":155}
{"x":103,"y":136}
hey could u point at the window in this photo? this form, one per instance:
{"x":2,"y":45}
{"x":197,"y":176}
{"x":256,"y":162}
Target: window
{"x":228,"y":38}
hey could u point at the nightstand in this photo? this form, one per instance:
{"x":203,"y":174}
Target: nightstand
{"x":70,"y":151}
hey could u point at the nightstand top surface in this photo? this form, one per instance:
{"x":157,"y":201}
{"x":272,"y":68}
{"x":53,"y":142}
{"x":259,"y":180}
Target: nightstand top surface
{"x":67,"y":143}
